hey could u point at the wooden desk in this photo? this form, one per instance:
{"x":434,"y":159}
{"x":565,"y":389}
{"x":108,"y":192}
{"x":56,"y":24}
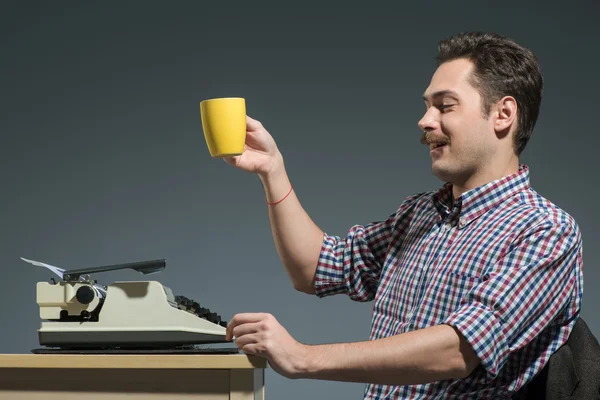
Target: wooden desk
{"x":131,"y":377}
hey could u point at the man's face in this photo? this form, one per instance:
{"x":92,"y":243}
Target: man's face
{"x":454,"y":122}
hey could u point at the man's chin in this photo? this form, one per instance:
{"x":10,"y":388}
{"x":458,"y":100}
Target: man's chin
{"x":441,"y":171}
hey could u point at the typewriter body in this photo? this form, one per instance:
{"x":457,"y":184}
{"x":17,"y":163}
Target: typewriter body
{"x":77,"y":313}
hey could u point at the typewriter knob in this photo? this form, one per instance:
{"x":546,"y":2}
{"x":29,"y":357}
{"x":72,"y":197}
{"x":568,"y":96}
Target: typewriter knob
{"x":84,"y":295}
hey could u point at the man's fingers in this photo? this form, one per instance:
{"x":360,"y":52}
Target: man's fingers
{"x":250,"y":349}
{"x":231,"y":160}
{"x":252,"y":124}
{"x":240,"y":319}
{"x":244,"y":318}
{"x":246,"y":339}
{"x":246,"y":329}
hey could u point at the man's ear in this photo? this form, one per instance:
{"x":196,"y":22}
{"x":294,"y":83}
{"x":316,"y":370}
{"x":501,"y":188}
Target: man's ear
{"x":505,"y":113}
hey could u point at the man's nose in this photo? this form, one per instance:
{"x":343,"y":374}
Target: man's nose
{"x":429,"y":121}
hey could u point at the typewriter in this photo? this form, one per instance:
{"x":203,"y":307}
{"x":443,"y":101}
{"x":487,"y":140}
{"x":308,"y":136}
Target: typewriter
{"x":79,"y":314}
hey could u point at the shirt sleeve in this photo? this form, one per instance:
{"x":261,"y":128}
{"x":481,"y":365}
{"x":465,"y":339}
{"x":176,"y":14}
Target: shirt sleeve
{"x":537,"y":284}
{"x":352,"y":265}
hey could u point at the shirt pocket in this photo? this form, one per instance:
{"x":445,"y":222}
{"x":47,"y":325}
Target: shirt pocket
{"x":443,"y":295}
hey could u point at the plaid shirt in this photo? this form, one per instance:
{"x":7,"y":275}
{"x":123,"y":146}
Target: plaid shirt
{"x":501,"y":264}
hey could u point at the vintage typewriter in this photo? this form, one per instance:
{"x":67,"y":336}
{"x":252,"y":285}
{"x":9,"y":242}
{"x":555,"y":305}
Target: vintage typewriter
{"x":79,"y":315}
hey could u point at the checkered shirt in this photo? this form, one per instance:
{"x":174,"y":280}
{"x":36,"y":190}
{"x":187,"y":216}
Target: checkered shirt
{"x":501,"y":264}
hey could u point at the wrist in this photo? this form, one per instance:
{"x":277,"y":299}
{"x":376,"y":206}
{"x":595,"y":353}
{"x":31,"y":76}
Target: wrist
{"x":273,"y":203}
{"x":275,"y":171}
{"x":276,"y":183}
{"x":305,"y":362}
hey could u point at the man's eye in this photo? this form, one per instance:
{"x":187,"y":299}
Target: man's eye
{"x":445,"y":106}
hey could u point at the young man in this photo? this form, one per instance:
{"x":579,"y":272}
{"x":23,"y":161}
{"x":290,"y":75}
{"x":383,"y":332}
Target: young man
{"x":474,"y":285}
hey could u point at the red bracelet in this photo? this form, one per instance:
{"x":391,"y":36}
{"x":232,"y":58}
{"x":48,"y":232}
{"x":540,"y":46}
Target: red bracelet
{"x":277,"y":202}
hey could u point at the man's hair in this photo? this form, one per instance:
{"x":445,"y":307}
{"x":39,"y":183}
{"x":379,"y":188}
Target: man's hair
{"x":501,"y":68}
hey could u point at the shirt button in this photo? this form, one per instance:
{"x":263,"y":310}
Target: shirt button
{"x":409,"y":315}
{"x":462,"y":221}
{"x":448,"y":226}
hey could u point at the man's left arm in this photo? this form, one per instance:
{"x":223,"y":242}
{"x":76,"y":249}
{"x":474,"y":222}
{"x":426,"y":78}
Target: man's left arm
{"x":537,"y":283}
{"x":426,"y":355}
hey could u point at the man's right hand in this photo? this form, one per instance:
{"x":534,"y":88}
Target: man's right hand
{"x":260,"y":154}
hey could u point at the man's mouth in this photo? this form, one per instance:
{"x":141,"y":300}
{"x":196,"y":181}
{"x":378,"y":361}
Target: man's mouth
{"x":435,"y":145}
{"x":432,"y":141}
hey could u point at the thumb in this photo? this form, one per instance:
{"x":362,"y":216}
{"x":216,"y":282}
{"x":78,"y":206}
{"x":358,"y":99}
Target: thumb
{"x":253,"y":124}
{"x":231,"y":160}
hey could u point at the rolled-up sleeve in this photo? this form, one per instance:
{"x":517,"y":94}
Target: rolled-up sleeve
{"x":352,"y":265}
{"x":538,"y":281}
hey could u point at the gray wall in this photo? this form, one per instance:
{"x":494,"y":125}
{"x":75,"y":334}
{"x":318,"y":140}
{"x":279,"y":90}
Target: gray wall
{"x":104,"y":160}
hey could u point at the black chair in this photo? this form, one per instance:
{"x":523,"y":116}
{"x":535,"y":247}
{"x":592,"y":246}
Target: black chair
{"x":572,"y":372}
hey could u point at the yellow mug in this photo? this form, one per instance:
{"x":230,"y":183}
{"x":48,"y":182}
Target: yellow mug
{"x":224,"y":125}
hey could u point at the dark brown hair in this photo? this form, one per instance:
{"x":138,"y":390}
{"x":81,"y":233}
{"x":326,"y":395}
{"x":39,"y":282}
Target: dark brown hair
{"x":501,"y":68}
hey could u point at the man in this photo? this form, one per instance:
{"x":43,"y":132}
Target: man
{"x":474,"y":285}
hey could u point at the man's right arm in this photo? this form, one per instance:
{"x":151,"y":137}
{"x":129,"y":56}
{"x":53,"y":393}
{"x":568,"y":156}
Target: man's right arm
{"x":316,"y":263}
{"x":297,"y":238}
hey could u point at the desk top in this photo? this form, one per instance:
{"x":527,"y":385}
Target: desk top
{"x":133,"y":361}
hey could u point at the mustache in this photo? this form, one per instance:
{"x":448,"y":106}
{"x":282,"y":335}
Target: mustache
{"x":427,"y":138}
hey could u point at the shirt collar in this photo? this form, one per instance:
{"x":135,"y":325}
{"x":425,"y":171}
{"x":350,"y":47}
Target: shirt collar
{"x":476,"y":202}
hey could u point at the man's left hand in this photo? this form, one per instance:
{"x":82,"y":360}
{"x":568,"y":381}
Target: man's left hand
{"x":260,"y":334}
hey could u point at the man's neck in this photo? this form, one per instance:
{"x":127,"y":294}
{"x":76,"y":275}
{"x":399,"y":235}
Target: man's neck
{"x":484,"y":177}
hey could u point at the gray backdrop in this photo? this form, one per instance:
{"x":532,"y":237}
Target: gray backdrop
{"x":104,"y":160}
